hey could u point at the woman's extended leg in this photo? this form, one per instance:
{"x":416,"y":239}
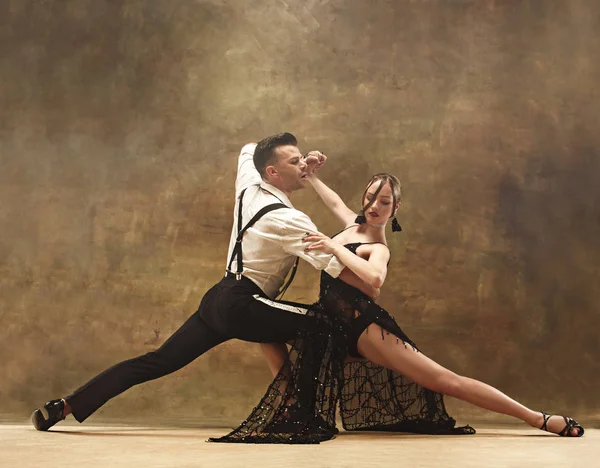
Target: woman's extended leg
{"x":384,"y":349}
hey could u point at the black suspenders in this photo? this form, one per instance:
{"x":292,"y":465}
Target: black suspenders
{"x":237,"y":249}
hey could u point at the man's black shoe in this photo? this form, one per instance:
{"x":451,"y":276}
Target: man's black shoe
{"x":47,"y":416}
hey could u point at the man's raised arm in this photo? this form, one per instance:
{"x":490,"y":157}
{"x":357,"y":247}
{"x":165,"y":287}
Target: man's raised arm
{"x":247,"y":174}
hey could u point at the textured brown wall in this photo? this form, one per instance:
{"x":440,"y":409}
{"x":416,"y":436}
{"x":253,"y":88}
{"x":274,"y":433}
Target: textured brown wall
{"x":120,"y":126}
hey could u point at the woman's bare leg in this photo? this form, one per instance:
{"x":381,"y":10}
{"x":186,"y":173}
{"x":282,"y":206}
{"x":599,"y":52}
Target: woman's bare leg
{"x":384,"y":349}
{"x":275,"y":355}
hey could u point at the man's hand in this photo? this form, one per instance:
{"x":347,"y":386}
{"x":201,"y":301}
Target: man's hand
{"x":320,"y":241}
{"x":315,"y":160}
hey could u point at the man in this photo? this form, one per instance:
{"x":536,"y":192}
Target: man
{"x":241,"y":305}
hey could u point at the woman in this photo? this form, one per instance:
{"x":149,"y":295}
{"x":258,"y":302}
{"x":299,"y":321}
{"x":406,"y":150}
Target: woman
{"x":398,"y":388}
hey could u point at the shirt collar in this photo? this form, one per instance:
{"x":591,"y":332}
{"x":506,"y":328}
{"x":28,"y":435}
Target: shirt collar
{"x":278,"y":193}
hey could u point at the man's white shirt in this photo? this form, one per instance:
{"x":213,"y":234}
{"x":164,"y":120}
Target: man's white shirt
{"x":270,"y":247}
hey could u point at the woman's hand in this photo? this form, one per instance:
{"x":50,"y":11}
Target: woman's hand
{"x":314,"y":161}
{"x":320,"y":241}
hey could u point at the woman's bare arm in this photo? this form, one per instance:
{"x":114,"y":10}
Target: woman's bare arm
{"x":372,"y":271}
{"x":332,"y":200}
{"x":349,"y":277}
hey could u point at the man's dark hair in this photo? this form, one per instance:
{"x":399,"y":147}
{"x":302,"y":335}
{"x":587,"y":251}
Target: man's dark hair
{"x":264,"y":154}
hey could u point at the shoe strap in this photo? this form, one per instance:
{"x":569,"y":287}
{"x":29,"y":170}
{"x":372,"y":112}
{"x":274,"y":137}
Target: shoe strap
{"x":570,"y":424}
{"x":546,"y":419}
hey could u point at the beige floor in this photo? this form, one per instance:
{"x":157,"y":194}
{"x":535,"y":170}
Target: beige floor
{"x":135,"y":446}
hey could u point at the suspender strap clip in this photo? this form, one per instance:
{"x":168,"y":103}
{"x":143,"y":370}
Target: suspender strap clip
{"x":289,"y":281}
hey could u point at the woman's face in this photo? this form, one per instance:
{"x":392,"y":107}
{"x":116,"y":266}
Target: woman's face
{"x":382,"y":207}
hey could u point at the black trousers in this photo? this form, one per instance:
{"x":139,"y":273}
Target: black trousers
{"x":230,"y":309}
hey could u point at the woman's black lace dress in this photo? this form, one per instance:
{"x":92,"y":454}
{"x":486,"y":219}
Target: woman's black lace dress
{"x":300,"y":405}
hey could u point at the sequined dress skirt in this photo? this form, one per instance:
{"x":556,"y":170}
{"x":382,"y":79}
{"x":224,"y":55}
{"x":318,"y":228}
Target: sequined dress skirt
{"x":301,"y":404}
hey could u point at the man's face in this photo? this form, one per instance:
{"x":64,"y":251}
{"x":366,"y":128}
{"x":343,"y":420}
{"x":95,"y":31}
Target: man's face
{"x":289,"y":170}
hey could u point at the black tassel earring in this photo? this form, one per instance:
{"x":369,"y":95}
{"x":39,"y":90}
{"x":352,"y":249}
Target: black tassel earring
{"x":396,"y":225}
{"x":360,"y":219}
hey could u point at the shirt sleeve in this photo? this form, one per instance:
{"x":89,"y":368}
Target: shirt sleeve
{"x":247,"y":174}
{"x":294,"y":226}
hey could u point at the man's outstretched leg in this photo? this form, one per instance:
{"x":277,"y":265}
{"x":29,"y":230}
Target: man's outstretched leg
{"x":191,"y":340}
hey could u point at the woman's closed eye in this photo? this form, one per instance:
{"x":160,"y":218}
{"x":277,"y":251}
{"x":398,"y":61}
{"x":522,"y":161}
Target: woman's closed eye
{"x":384,"y":203}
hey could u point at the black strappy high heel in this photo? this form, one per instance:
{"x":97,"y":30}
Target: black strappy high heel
{"x":570,"y":424}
